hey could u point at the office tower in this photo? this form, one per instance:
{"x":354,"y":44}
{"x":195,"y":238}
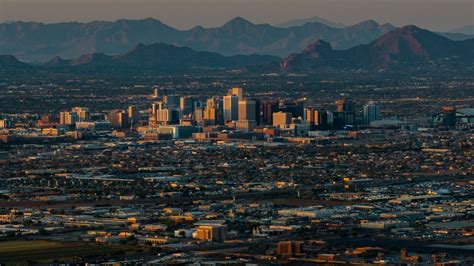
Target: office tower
{"x":309,"y":115}
{"x":163,"y":116}
{"x":449,"y":116}
{"x":268,"y":108}
{"x":155,"y":107}
{"x":321,"y":118}
{"x":154,"y":93}
{"x":171,"y":101}
{"x":371,"y":112}
{"x":212,"y":232}
{"x":199,"y":114}
{"x":330,"y":118}
{"x":118,"y":119}
{"x":281,"y":119}
{"x":133,"y":115}
{"x":82,"y":113}
{"x":239,"y":92}
{"x":345,"y":106}
{"x":247,"y":110}
{"x":231,"y":108}
{"x":211,"y":112}
{"x":68,"y":118}
{"x":345,"y":112}
{"x":186,"y":104}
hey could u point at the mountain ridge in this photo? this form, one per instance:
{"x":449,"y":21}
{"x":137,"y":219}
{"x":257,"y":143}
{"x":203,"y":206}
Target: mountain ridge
{"x":407,"y":46}
{"x":33,"y":41}
{"x":160,"y":56}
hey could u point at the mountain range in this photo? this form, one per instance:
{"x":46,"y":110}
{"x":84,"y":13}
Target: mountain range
{"x":31,"y":41}
{"x":161,"y":57}
{"x":405,"y":47}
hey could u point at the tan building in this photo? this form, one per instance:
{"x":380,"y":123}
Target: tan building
{"x":247,"y":110}
{"x":212,"y":232}
{"x":82,"y":113}
{"x":68,"y":118}
{"x":211,"y":112}
{"x":289,"y":248}
{"x":118,"y":119}
{"x":133,"y":114}
{"x":281,"y":119}
{"x":239,"y":92}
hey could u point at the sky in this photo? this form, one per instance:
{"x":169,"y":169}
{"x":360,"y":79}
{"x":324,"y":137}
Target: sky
{"x":439,"y":15}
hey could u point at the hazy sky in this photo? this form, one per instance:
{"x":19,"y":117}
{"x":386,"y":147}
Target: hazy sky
{"x":433,"y":14}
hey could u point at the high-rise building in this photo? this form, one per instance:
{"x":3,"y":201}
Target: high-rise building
{"x":133,"y":115}
{"x":281,"y":119}
{"x":371,"y":112}
{"x":309,"y":115}
{"x":321,"y":118}
{"x":330,"y":118}
{"x":247,"y":110}
{"x":345,"y":112}
{"x":171,"y":101}
{"x":68,"y":118}
{"x":82,"y":113}
{"x":162,"y":115}
{"x":118,"y":119}
{"x":155,"y":93}
{"x":345,"y":106}
{"x":231,"y":108}
{"x":239,"y":92}
{"x":199,"y":114}
{"x":268,"y":108}
{"x":186,"y":104}
{"x":213,"y":113}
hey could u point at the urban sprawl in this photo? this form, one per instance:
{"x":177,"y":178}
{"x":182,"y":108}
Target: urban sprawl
{"x":240,"y":178}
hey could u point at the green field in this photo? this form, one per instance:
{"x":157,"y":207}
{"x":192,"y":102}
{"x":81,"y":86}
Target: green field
{"x":24,"y":252}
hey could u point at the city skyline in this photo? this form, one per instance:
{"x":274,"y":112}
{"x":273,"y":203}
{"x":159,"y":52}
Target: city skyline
{"x":341,"y":139}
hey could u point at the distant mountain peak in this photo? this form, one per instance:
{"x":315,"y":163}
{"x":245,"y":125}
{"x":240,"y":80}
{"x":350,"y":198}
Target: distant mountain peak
{"x":370,"y":23}
{"x":318,"y":46}
{"x":238,"y":21}
{"x":10,"y":61}
{"x":314,"y":19}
